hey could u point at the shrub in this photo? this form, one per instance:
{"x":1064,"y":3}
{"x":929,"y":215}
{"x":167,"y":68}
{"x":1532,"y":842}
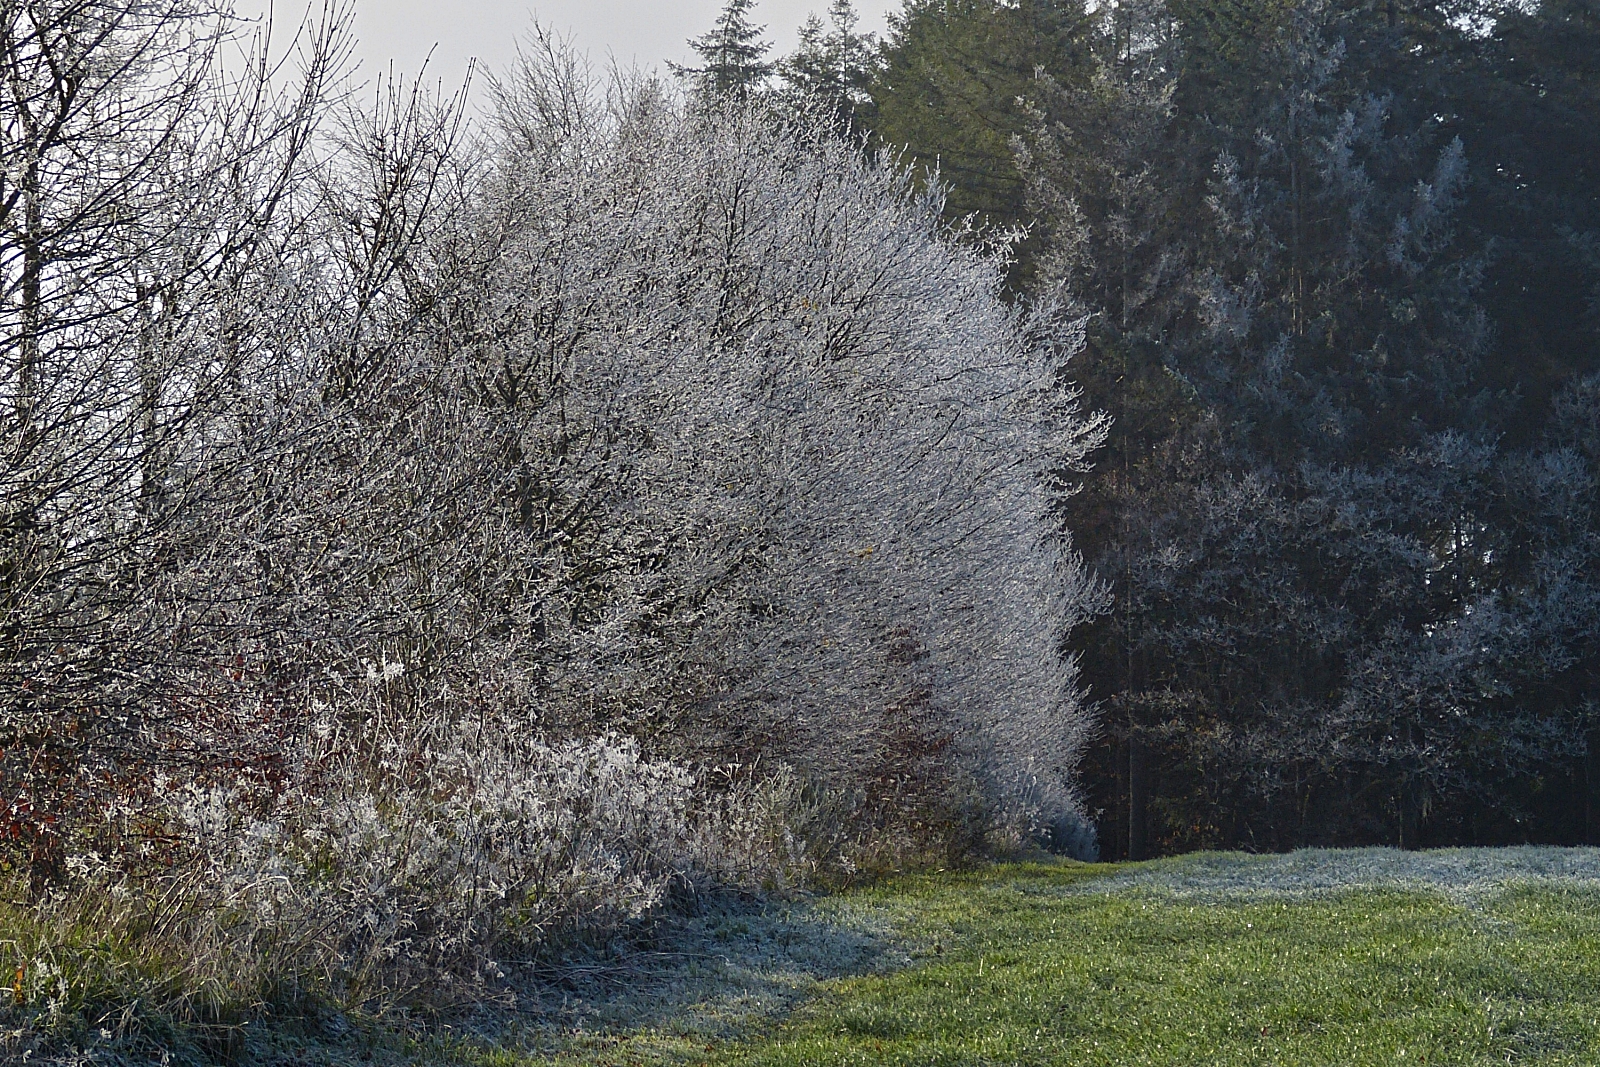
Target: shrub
{"x":631,"y":500}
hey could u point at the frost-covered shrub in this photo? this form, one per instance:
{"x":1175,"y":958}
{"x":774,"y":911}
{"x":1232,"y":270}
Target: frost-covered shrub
{"x":791,"y":452}
{"x":525,"y":528}
{"x":439,"y":860}
{"x":395,"y":871}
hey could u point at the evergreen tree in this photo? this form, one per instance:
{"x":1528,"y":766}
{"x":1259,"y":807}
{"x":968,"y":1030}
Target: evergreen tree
{"x":1338,"y":270}
{"x":1345,"y":611}
{"x":952,"y":88}
{"x":732,"y":53}
{"x":1527,"y":107}
{"x":834,"y":62}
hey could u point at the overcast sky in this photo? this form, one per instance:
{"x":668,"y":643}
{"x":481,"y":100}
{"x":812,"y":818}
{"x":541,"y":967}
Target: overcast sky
{"x":643,"y":31}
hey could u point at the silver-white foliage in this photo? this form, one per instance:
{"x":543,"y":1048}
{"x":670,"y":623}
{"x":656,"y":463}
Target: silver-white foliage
{"x":627,"y":420}
{"x":144,"y":211}
{"x":826,"y":445}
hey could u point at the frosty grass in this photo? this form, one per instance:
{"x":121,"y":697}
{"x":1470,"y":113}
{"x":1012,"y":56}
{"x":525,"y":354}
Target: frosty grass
{"x":1463,"y":874}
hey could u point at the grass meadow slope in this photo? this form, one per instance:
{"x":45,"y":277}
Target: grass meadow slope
{"x":1360,"y":957}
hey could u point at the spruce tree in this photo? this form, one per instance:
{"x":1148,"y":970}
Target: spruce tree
{"x":834,"y":62}
{"x":732,"y":53}
{"x":953,"y":89}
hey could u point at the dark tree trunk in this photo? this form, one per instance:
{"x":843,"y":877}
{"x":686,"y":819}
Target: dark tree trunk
{"x":1591,"y":788}
{"x":1408,"y":814}
{"x":1138,"y":798}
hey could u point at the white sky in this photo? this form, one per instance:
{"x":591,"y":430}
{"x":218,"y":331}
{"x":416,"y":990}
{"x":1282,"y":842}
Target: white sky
{"x":642,"y":31}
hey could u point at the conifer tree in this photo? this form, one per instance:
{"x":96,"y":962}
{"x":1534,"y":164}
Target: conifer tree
{"x":733,"y":54}
{"x":952,"y":89}
{"x":834,"y":61}
{"x":1340,"y":267}
{"x":1297,"y":508}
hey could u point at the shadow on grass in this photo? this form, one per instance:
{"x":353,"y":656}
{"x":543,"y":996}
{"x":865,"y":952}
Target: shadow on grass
{"x":734,"y":968}
{"x":732,"y":972}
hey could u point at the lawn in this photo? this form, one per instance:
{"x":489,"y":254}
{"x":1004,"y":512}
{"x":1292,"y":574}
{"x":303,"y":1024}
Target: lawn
{"x":1326,"y":958}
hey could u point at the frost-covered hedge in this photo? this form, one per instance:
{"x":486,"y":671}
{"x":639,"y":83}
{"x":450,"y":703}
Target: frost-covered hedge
{"x":480,"y":537}
{"x":813,"y":448}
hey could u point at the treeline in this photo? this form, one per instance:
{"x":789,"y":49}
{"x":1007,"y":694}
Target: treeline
{"x":428,"y":540}
{"x":1336,"y":262}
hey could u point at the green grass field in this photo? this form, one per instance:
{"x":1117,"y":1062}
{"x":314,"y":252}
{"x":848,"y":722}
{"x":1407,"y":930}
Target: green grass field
{"x":1330,"y":958}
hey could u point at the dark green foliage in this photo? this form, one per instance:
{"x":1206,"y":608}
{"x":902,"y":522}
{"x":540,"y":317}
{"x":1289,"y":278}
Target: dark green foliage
{"x":950,"y":89}
{"x":834,"y":63}
{"x":1340,"y":262}
{"x":733,"y":53}
{"x":1528,"y":108}
{"x":1351,"y":606}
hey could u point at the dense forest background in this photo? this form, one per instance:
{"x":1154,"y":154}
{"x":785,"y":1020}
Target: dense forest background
{"x":1338,"y":267}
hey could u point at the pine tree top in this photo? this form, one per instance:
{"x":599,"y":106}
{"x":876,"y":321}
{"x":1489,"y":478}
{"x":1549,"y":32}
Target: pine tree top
{"x":733,"y":53}
{"x":833,"y":60}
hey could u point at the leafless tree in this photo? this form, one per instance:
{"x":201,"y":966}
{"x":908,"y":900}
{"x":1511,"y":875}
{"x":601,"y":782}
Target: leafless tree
{"x":143,"y":192}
